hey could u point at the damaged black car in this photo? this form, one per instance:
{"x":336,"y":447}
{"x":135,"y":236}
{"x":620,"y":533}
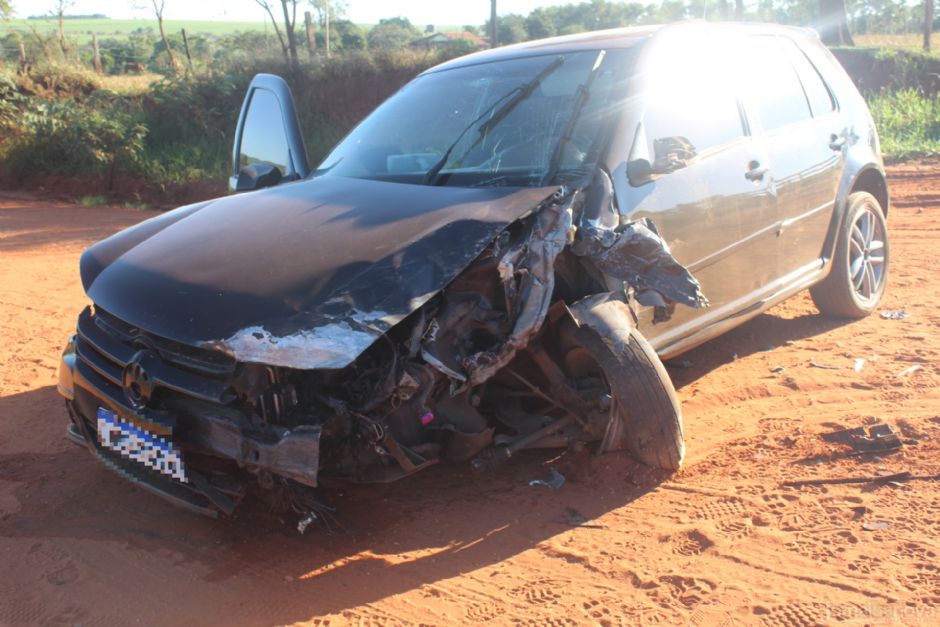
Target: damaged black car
{"x":495,"y":260}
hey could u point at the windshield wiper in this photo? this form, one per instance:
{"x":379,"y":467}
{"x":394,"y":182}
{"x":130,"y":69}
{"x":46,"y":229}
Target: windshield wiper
{"x":518,"y":94}
{"x":584,"y":91}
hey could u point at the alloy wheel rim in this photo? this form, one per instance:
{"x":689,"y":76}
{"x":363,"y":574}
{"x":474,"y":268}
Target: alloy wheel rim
{"x":867,"y":255}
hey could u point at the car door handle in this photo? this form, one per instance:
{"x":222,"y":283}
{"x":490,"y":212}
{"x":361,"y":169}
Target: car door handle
{"x":756,"y":171}
{"x":836,"y":143}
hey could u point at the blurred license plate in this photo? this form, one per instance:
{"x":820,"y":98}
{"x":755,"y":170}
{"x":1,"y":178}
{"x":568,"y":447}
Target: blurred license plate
{"x":139,"y":445}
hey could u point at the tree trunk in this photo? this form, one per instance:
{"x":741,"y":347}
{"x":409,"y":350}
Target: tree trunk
{"x":166,"y":43}
{"x":833,"y":24}
{"x":62,"y":43}
{"x":289,"y":29}
{"x":928,"y":23}
{"x":738,"y":10}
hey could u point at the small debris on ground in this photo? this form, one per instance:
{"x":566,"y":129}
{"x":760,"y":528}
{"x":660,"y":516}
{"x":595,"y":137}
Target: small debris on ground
{"x":553,"y":480}
{"x":576,"y":519}
{"x":895,"y":314}
{"x":909,"y":370}
{"x":859,"y":364}
{"x":880,"y":437}
{"x":875,"y":525}
{"x":778,"y":369}
{"x":813,"y":364}
{"x":683,"y":364}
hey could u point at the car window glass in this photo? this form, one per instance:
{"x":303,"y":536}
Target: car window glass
{"x":772,"y":84}
{"x":449,"y":115}
{"x":820,"y":101}
{"x":263,"y":138}
{"x":691,"y":103}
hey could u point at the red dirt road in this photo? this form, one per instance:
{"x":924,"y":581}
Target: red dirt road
{"x":721,"y":541}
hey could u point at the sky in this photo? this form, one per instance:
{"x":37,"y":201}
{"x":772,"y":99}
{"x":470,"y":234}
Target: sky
{"x":420,"y":12}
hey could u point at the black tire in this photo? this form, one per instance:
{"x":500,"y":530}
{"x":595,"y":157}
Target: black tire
{"x":643,"y":393}
{"x":841,"y":294}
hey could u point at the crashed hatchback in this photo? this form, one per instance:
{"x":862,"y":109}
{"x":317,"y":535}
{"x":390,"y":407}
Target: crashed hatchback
{"x":494,"y":260}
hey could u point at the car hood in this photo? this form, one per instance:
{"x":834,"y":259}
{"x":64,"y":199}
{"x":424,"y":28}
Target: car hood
{"x":303,"y":275}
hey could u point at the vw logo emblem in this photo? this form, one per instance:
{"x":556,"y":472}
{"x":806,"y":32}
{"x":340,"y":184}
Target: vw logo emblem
{"x":137,"y":382}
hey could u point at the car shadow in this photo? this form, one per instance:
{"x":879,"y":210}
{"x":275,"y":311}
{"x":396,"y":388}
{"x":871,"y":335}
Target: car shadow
{"x":764,"y":333}
{"x":396,"y":538}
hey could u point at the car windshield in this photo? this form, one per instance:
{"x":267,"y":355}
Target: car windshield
{"x":520,"y":122}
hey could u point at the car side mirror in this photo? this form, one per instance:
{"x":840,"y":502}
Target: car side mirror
{"x":267,"y":134}
{"x":639,"y":172}
{"x":257,"y":176}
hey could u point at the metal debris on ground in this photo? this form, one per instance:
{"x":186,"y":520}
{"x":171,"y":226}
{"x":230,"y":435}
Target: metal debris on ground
{"x":859,"y":364}
{"x":875,"y":525}
{"x":909,"y":370}
{"x":895,"y":314}
{"x":778,"y":369}
{"x":878,"y":438}
{"x":305,"y":522}
{"x":813,"y":364}
{"x":553,"y":480}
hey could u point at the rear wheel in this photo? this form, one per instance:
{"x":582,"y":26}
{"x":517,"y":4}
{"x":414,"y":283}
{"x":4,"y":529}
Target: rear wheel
{"x":645,"y":414}
{"x":860,"y":264}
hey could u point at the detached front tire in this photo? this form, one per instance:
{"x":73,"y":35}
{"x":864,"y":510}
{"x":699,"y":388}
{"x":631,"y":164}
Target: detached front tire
{"x":645,"y":415}
{"x":859,"y":271}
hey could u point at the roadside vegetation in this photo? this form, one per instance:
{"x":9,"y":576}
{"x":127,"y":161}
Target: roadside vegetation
{"x":152,"y":120}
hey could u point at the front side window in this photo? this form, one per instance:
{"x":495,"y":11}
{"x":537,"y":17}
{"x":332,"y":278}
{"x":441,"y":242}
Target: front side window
{"x":771,"y":83}
{"x":516,"y":122}
{"x":691,"y":102}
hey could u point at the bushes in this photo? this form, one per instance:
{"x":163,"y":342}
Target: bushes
{"x":908,"y":123}
{"x":73,"y":139}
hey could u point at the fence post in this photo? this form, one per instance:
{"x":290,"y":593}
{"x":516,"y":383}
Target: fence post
{"x":97,"y":55}
{"x":928,"y":23}
{"x":189,"y":59}
{"x":311,"y":38}
{"x":22,"y":57}
{"x":327,"y":30}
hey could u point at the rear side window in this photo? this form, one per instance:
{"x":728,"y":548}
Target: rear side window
{"x":772,"y":85}
{"x":691,"y":102}
{"x":820,"y":100}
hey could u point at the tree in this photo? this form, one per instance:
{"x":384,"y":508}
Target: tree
{"x":5,"y":9}
{"x":351,"y":35}
{"x":287,"y":39}
{"x":158,"y":6}
{"x":510,"y":29}
{"x":834,"y":23}
{"x":336,"y":9}
{"x":391,"y":33}
{"x":61,"y":6}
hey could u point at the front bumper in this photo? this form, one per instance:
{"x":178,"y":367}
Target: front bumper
{"x":221,"y":455}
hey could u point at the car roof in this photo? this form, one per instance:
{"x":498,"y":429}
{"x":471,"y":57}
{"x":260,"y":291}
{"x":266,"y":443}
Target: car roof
{"x":615,"y":38}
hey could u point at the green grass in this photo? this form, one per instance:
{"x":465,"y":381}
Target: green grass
{"x":93,"y":201}
{"x":109,"y":27}
{"x":908,"y":123}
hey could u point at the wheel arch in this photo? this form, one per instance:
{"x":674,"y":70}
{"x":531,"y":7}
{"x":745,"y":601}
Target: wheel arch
{"x":867,"y":178}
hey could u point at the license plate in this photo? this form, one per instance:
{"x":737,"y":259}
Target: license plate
{"x":139,"y":445}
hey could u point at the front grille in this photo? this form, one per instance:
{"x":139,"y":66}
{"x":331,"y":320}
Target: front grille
{"x":105,"y":346}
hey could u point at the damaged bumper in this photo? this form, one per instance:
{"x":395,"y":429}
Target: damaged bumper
{"x":217,"y":448}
